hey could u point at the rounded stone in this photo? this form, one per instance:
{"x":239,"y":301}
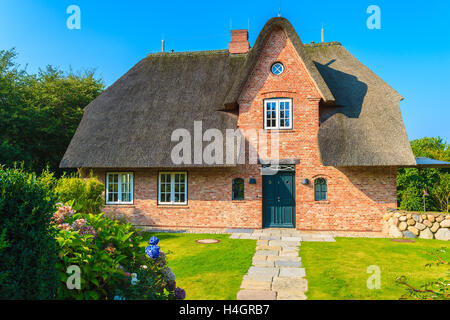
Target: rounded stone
{"x":440,"y":218}
{"x":394,"y":221}
{"x":413,"y":230}
{"x":443,"y":234}
{"x":394,"y":232}
{"x":431,"y":217}
{"x":420,"y":226}
{"x":426,"y":234}
{"x":428,"y":223}
{"x":409,"y":234}
{"x":403,"y":218}
{"x":403,"y":226}
{"x":445,"y":223}
{"x":411,"y":222}
{"x":435,"y":227}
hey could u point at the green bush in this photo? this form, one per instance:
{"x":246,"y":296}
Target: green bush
{"x":85,"y":194}
{"x":411,"y":182}
{"x":28,"y":249}
{"x":104,"y":250}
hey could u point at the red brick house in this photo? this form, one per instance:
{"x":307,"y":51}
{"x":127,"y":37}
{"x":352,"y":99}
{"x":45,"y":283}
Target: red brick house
{"x":340,"y":130}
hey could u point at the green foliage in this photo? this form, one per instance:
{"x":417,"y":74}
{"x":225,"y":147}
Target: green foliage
{"x":441,"y":192}
{"x":434,"y":148}
{"x":85,"y":194}
{"x":28,"y":250}
{"x":152,"y":282}
{"x":39,"y":113}
{"x":412,"y":182}
{"x":103,"y":248}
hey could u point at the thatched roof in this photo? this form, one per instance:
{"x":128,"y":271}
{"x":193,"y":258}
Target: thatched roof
{"x":130,"y":124}
{"x":365,"y":128}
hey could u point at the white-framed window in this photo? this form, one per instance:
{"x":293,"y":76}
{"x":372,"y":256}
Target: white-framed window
{"x":172,"y":188}
{"x":278,"y":113}
{"x":119,"y":188}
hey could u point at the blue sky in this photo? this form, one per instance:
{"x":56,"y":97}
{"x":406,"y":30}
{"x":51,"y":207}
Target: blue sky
{"x":411,"y":51}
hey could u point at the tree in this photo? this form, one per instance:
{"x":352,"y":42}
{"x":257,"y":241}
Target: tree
{"x":411,"y":182}
{"x":39,"y":113}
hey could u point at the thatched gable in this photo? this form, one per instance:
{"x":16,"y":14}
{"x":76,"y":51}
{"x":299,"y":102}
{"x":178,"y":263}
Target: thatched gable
{"x":365,"y":127}
{"x":130,"y":124}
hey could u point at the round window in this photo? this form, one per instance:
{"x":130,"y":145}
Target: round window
{"x":277,"y":68}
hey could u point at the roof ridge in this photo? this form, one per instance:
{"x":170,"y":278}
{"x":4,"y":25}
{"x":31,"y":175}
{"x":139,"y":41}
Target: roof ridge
{"x":323,"y":44}
{"x":218,"y":51}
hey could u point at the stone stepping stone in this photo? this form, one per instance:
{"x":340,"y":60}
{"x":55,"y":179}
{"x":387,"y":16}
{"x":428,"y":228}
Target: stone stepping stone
{"x":266,"y":247}
{"x":293,"y":286}
{"x":271,"y":238}
{"x":284,"y":243}
{"x":297,"y":249}
{"x":266,"y":253}
{"x":255,"y":285}
{"x":259,"y":277}
{"x":286,"y":258}
{"x":239,"y":230}
{"x":287,"y":264}
{"x":289,"y":253}
{"x":291,"y":239}
{"x":262,"y":242}
{"x":263,"y":270}
{"x":263,"y":263}
{"x":263,"y":258}
{"x":292,"y":272}
{"x":256,"y":295}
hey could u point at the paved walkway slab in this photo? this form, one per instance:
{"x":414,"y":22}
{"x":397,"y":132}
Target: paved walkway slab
{"x":276,"y":272}
{"x":256,"y":295}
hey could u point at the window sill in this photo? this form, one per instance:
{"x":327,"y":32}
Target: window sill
{"x":280,"y":130}
{"x":322,"y":202}
{"x":123,"y":205}
{"x":173,"y":206}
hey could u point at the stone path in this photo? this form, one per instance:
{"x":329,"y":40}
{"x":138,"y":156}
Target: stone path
{"x":277,"y":272}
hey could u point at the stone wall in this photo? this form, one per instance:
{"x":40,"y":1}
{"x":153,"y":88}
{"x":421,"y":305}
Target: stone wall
{"x":401,"y":224}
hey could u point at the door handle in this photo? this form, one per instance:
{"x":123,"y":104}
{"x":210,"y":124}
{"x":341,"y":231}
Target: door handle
{"x":278,"y":199}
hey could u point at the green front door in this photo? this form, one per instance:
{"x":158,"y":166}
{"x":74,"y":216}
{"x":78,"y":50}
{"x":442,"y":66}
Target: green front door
{"x":279,"y":200}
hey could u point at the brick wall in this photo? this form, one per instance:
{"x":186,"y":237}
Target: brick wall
{"x":356,"y":196}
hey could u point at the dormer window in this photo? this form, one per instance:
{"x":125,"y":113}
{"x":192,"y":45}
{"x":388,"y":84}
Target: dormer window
{"x":278,"y":113}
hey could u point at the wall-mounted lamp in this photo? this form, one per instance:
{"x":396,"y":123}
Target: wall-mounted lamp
{"x":252,"y":181}
{"x":305,"y":181}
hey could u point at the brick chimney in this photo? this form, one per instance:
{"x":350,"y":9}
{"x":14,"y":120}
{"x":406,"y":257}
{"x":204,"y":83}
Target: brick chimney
{"x":239,"y":41}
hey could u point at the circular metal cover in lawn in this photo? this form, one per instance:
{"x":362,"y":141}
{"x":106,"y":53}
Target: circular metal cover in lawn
{"x":207,"y":241}
{"x":402,"y":240}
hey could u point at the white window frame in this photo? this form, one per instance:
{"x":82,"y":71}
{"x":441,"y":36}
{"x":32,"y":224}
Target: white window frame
{"x":277,"y":113}
{"x":172,"y":188}
{"x":119,"y":188}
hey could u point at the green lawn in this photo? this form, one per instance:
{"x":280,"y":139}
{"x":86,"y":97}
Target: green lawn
{"x":207,"y":271}
{"x":338,"y":270}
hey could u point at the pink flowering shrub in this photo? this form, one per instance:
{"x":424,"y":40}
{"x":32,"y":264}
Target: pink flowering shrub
{"x":108,"y":253}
